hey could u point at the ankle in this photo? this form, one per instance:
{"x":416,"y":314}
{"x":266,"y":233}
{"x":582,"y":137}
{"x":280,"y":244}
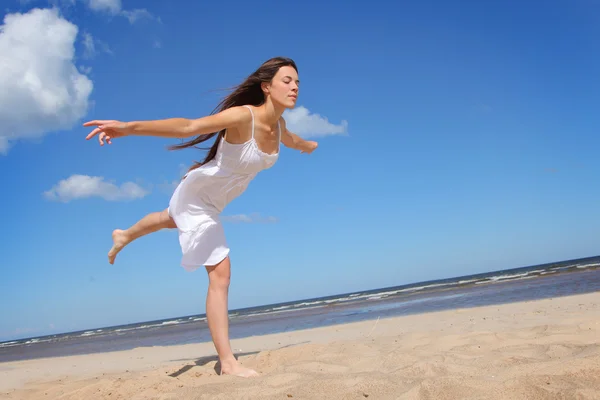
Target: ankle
{"x":122,"y":234}
{"x":228,"y":361}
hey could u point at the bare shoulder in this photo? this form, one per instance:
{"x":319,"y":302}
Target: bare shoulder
{"x":239,"y":129}
{"x":236,"y":115}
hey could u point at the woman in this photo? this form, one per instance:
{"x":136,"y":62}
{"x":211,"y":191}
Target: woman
{"x":249,"y":127}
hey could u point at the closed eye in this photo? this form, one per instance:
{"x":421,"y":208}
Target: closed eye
{"x":288,"y":79}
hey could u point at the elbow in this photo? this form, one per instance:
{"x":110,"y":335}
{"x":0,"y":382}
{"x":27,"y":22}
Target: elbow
{"x":292,"y":144}
{"x":186,"y":129}
{"x":295,"y":141}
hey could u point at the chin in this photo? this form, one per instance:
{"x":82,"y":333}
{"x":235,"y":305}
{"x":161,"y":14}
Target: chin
{"x":287,"y":103}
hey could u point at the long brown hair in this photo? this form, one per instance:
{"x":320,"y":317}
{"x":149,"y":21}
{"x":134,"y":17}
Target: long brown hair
{"x":249,"y":92}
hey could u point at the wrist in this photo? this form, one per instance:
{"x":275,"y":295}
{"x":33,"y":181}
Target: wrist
{"x":132,"y":128}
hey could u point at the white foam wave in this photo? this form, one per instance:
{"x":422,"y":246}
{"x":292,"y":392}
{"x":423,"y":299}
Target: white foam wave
{"x":583,"y":266}
{"x":274,"y":312}
{"x":282,"y":308}
{"x":500,"y":278}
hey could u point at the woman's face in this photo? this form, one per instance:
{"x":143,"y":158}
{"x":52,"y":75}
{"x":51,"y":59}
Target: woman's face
{"x":284,"y":87}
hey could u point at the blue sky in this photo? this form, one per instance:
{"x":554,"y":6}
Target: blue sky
{"x":455,"y":138}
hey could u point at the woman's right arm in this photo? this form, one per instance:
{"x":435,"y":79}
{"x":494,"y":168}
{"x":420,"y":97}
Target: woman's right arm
{"x":168,"y":128}
{"x":183,"y":127}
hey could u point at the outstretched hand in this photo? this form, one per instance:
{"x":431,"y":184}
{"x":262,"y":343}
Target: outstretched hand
{"x":107,"y":130}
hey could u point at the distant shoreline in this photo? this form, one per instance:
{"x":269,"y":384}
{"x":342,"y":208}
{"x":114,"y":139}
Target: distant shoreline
{"x":564,"y":266}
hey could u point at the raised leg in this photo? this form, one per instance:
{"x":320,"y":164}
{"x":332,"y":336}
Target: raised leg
{"x":218,"y":318}
{"x":150,"y":223}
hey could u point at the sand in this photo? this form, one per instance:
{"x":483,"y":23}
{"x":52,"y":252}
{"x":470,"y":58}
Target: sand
{"x":546,"y":349}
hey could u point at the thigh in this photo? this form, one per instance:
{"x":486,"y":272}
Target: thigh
{"x":166,"y":220}
{"x":204,"y":244}
{"x":220,"y":271}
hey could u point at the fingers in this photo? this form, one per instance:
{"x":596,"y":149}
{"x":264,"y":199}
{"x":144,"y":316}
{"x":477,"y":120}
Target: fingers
{"x":97,"y":122}
{"x":100,"y":131}
{"x":101,"y":126}
{"x":93,"y":133}
{"x":104,"y":137}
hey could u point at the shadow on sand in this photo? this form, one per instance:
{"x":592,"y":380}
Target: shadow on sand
{"x":202,"y":361}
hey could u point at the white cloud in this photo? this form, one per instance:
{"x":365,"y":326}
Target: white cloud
{"x":301,"y":122}
{"x":90,"y":49}
{"x":111,"y":6}
{"x":249,"y":218}
{"x":137,"y":14}
{"x":83,"y":186}
{"x":115,"y":7}
{"x":41,"y":89}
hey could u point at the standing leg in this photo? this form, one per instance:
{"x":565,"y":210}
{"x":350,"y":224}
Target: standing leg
{"x":150,"y":223}
{"x":218,"y":318}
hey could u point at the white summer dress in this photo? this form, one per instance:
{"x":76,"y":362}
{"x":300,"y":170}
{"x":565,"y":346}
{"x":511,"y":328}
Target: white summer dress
{"x":203,"y":194}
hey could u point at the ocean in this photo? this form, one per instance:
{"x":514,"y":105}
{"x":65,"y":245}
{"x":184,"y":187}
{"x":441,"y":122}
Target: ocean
{"x":512,"y":285}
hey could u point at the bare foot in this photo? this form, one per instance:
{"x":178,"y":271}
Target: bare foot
{"x":234,"y":368}
{"x":120,"y":240}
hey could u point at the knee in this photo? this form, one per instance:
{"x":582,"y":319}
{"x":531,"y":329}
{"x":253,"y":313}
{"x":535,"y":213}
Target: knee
{"x":220,"y":276}
{"x":220,"y":281}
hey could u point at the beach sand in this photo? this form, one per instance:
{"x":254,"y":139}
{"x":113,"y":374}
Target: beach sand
{"x":545,"y":349}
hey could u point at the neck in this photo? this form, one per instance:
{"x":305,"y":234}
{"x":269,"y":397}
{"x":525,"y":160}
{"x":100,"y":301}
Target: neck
{"x":270,"y":113}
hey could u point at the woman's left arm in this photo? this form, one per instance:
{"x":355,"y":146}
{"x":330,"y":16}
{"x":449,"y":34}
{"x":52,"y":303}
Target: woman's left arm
{"x":293,"y":141}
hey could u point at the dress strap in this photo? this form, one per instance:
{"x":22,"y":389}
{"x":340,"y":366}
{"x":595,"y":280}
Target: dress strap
{"x":279,"y":138}
{"x":251,"y":113}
